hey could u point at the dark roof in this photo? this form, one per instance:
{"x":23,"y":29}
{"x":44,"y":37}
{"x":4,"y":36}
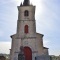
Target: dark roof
{"x":45,"y":48}
{"x":26,"y":3}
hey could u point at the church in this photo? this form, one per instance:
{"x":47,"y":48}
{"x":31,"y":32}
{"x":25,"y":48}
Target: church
{"x":27,"y":44}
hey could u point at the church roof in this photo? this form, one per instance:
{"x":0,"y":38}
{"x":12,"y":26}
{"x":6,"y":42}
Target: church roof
{"x":45,"y":48}
{"x":26,"y":3}
{"x":40,"y":34}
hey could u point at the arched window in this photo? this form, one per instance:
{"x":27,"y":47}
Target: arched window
{"x":26,"y":13}
{"x":26,"y":29}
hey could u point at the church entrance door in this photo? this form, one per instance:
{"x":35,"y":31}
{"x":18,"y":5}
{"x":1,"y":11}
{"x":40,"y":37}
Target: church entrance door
{"x":27,"y":53}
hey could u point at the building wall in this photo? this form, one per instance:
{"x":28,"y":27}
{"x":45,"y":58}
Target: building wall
{"x":31,"y":39}
{"x":39,"y":42}
{"x":35,"y":43}
{"x":27,"y":41}
{"x":46,"y":51}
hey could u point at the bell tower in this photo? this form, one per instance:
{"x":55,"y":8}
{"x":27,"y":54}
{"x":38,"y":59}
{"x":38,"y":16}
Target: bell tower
{"x":26,"y":20}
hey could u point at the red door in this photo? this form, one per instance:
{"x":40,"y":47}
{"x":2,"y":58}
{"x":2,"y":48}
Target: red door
{"x":27,"y":53}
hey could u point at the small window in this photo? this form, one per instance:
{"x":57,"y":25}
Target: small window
{"x":26,"y":29}
{"x":26,"y":13}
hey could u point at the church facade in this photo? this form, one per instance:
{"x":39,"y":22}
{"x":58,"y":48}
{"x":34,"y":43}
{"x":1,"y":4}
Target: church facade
{"x":27,"y":37}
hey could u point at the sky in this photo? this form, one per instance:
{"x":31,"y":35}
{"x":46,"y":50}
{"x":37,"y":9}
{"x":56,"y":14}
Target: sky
{"x":47,"y":18}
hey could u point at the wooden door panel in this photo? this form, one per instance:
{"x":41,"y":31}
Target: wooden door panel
{"x":27,"y":53}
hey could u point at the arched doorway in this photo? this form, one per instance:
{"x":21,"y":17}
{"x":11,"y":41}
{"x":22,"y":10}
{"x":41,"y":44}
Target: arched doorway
{"x":27,"y":53}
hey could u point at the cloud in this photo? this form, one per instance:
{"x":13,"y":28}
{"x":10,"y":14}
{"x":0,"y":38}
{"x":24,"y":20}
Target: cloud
{"x":4,"y":47}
